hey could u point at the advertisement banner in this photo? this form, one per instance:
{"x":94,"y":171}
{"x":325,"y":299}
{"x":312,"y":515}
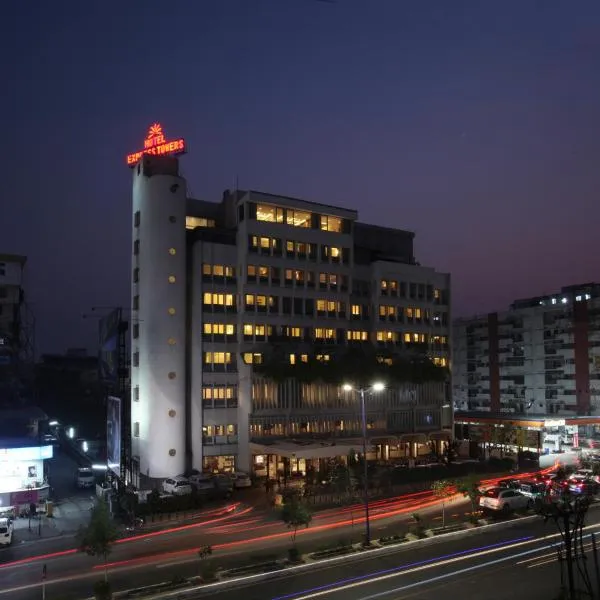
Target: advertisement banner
{"x":113,"y":434}
{"x":24,"y":497}
{"x":109,"y":347}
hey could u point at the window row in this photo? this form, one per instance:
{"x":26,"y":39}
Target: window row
{"x":293,"y":249}
{"x":323,"y":307}
{"x":218,"y":430}
{"x":418,"y":291}
{"x":194,"y":222}
{"x":297,"y":277}
{"x":219,"y":396}
{"x":271,"y":213}
{"x":209,"y":270}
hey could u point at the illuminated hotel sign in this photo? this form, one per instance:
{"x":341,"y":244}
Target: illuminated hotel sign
{"x":155,"y":143}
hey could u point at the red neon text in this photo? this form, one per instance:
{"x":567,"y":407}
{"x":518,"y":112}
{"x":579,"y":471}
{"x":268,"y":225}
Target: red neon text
{"x":158,"y":147}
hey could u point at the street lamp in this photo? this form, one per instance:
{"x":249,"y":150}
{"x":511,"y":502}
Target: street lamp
{"x":376,"y":387}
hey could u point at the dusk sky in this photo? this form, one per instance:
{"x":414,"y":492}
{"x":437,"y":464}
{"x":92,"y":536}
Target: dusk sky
{"x":474,"y":124}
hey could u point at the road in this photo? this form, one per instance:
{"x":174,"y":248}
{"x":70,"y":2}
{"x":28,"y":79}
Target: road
{"x":231,"y":531}
{"x":516,"y":561}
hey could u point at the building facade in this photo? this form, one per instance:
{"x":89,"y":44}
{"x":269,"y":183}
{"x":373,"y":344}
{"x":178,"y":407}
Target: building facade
{"x":217,"y":285}
{"x":16,"y":332}
{"x":541,"y":357}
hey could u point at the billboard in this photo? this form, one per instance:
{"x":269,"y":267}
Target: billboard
{"x":108,"y":360}
{"x":113,"y":434}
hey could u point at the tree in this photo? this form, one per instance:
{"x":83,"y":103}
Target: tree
{"x":295,"y":514}
{"x":469,"y":488}
{"x":207,"y":570}
{"x":443,"y":489}
{"x":360,"y":366}
{"x":100,"y":534}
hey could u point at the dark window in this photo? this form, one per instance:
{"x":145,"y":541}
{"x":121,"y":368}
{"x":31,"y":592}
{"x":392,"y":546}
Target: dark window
{"x":240,"y":213}
{"x":136,"y":219}
{"x":136,"y":302}
{"x":136,"y":331}
{"x":136,"y":247}
{"x":287,"y":305}
{"x":136,"y":275}
{"x":298,"y":306}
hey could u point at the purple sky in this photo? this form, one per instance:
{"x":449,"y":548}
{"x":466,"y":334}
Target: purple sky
{"x":476,"y":127}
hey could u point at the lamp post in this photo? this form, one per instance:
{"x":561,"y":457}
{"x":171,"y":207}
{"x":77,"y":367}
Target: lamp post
{"x":376,"y":387}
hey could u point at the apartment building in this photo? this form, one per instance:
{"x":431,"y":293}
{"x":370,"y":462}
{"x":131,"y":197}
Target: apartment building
{"x":15,"y":346}
{"x":217,"y":286}
{"x":540,"y":357}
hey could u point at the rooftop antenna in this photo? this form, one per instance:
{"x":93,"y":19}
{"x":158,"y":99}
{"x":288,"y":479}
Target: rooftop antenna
{"x":237,"y":182}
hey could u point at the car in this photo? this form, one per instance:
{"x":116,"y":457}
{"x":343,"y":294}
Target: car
{"x":583,"y":486}
{"x":504,"y":500}
{"x":241,"y":480}
{"x":533,"y":490}
{"x":178,"y":486}
{"x":509,"y":483}
{"x":585,"y":474}
{"x":6,"y":532}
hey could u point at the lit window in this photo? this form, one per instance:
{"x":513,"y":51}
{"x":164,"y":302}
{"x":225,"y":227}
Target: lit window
{"x":193,"y":222}
{"x":357,"y":335}
{"x":171,"y":341}
{"x":290,"y":246}
{"x":252,"y":358}
{"x":393,"y":286}
{"x":324,"y":334}
{"x":217,"y":299}
{"x":171,"y":311}
{"x":299,"y":276}
{"x":387,"y":336}
{"x":417,"y":313}
{"x":251,"y":270}
{"x":249,"y":299}
{"x":217,"y":358}
{"x":172,"y":251}
{"x":295,"y":332}
{"x":298,"y":218}
{"x":436,"y":294}
{"x":219,"y":328}
{"x":329,"y":223}
{"x":323,"y":278}
{"x":270,"y":213}
{"x":333,"y":279}
{"x":384,"y":285}
{"x":333,"y":251}
{"x":387,"y":311}
{"x":356,"y":310}
{"x":409,"y":312}
{"x":323,"y":357}
{"x":265,"y":243}
{"x":218,"y":270}
{"x":172,"y":279}
{"x":206,"y":269}
{"x":263,"y":271}
{"x":292,"y":359}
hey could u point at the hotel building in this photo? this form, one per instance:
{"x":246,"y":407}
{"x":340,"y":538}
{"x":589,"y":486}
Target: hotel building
{"x":540,"y":357}
{"x":218,"y":285}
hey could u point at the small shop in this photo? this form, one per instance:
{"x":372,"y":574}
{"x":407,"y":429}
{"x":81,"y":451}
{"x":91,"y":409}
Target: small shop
{"x":23,"y":476}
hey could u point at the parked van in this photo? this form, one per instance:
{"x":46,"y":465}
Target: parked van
{"x":84,"y":478}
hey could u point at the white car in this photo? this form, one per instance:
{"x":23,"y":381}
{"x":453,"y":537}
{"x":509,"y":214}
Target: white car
{"x":6,"y":532}
{"x":241,"y":480}
{"x":503,"y":499}
{"x":178,"y":486}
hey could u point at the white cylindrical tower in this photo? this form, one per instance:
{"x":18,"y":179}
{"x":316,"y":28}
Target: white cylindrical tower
{"x":158,"y":403}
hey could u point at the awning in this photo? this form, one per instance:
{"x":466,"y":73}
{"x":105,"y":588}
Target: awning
{"x":441,"y":435}
{"x":416,"y":438}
